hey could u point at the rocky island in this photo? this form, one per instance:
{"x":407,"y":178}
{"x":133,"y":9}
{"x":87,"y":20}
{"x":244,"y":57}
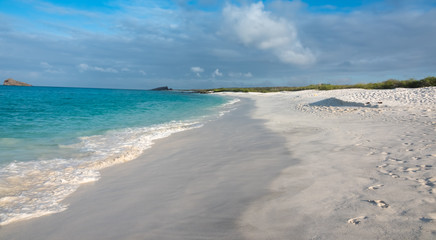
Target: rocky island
{"x":12,"y":82}
{"x":166,"y":88}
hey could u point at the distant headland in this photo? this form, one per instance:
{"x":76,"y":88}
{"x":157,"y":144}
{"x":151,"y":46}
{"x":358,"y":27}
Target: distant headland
{"x":12,"y":82}
{"x":166,"y":88}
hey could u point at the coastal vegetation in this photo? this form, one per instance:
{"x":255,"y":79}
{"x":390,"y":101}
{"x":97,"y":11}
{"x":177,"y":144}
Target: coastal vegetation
{"x":389,"y":84}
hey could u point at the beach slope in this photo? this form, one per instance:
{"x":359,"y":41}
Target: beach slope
{"x":191,"y":185}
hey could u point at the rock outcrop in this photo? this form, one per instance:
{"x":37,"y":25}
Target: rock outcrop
{"x":12,"y":82}
{"x":161,"y":89}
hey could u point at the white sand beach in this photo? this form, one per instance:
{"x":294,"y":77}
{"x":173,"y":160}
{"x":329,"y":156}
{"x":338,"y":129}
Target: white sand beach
{"x":342,"y":164}
{"x":365,"y":166}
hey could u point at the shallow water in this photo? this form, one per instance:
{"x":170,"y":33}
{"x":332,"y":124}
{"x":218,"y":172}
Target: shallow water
{"x":54,"y":139}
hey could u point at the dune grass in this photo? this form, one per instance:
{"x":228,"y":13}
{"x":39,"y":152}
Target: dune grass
{"x":389,"y":84}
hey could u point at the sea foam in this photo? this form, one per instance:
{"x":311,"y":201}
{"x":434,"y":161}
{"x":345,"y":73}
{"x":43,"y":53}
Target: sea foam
{"x":36,"y":188}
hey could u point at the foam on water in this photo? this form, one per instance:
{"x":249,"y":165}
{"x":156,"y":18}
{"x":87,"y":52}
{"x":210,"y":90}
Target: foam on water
{"x":34,"y":188}
{"x":228,"y":107}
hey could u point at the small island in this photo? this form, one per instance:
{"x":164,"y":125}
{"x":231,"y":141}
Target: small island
{"x":166,"y":88}
{"x":12,"y":82}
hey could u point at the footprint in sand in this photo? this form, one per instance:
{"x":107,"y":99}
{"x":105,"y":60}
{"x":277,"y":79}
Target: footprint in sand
{"x":428,"y":181}
{"x":429,"y":218}
{"x":425,"y":166}
{"x":394,"y":160}
{"x":426,"y":219}
{"x":383,"y":165}
{"x":383,"y":171}
{"x":394,"y":175}
{"x":375,"y":187}
{"x":416,"y":168}
{"x":411,"y":169}
{"x":432,"y":179}
{"x":356,"y":220}
{"x":379,"y":203}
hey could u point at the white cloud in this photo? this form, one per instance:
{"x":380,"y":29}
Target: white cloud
{"x":143,"y":72}
{"x":254,"y":26}
{"x":197,"y":70}
{"x":45,"y":65}
{"x":49,"y":68}
{"x":248,"y":75}
{"x":234,"y":75}
{"x":217,"y":73}
{"x":85,"y":67}
{"x":244,"y":37}
{"x":110,"y":70}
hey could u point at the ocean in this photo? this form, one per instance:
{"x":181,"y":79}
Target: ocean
{"x":54,"y":139}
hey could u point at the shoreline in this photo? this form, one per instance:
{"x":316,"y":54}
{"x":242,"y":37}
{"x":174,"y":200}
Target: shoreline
{"x":191,"y":185}
{"x":48,"y":156}
{"x":301,"y":165}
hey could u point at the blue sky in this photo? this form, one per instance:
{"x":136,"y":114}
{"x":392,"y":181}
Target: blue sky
{"x":209,"y":43}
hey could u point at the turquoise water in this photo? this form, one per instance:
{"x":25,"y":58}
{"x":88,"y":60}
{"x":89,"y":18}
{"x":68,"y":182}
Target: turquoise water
{"x":54,"y":139}
{"x":36,"y":121}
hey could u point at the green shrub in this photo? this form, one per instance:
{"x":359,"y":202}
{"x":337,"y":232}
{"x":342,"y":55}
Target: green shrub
{"x":388,"y":84}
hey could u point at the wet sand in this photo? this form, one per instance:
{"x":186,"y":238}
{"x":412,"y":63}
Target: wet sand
{"x":345,"y":164}
{"x":191,"y":185}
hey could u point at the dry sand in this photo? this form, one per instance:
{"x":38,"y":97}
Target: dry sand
{"x":365,"y":166}
{"x":301,"y":165}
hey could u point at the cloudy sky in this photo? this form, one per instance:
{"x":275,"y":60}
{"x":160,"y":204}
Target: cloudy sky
{"x":210,"y":43}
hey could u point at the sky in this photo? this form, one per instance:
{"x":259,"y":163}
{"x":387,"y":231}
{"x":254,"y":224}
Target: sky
{"x":186,"y":44}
